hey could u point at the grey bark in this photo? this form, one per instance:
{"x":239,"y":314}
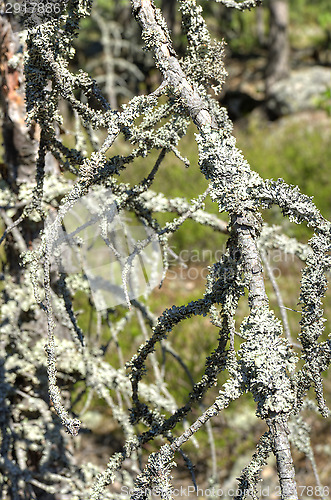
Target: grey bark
{"x":282,"y":452}
{"x":198,"y":109}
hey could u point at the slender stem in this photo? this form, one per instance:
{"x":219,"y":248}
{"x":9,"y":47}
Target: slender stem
{"x":282,"y":452}
{"x":278,"y":294}
{"x":211,"y":412}
{"x":16,"y":233}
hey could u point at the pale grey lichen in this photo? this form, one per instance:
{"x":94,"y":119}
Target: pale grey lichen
{"x":267,"y":361}
{"x":156,"y":476}
{"x":203,"y":62}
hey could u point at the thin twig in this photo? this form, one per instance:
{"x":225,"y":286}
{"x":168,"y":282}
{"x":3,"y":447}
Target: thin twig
{"x":279,"y":298}
{"x":12,"y":227}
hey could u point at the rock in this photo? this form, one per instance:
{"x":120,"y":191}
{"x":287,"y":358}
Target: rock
{"x":301,"y":91}
{"x":307,"y":36}
{"x":239,"y":104}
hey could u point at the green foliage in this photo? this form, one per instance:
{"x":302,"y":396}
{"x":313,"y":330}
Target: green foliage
{"x":243,"y":38}
{"x":303,"y":10}
{"x":324,"y":102}
{"x":285,"y":154}
{"x":324,"y":18}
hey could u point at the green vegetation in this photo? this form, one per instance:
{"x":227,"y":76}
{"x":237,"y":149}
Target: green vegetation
{"x":299,"y":151}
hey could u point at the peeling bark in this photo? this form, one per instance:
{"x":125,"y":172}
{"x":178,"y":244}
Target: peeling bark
{"x":20,"y":141}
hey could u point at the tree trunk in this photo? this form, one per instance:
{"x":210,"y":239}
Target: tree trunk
{"x":19,"y":141}
{"x":20,"y":146}
{"x":260,"y":32}
{"x":22,"y":454}
{"x":168,"y":10}
{"x":278,"y":57}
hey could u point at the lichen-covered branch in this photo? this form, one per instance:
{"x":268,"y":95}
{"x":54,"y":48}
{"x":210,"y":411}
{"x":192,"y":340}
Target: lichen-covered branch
{"x":282,"y":452}
{"x":241,"y":5}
